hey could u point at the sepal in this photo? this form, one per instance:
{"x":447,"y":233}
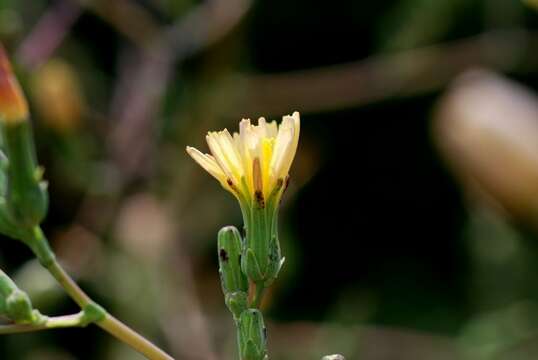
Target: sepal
{"x":251,"y":267}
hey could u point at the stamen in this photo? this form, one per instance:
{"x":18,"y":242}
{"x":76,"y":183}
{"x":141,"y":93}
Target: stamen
{"x":257,"y":175}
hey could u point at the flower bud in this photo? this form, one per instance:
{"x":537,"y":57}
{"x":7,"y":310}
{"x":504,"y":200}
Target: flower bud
{"x":13,"y":105}
{"x":229,"y":252}
{"x":15,"y":303}
{"x":252,"y":335}
{"x":27,"y":198}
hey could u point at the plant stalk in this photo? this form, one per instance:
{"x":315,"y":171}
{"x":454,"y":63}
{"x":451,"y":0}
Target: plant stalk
{"x":107,"y":322}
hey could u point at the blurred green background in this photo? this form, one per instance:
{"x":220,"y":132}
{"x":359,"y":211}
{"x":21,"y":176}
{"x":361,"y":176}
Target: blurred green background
{"x":410,"y":224}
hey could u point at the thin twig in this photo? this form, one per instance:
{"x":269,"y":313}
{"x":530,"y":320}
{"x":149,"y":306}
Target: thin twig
{"x":108,"y":323}
{"x":56,"y":322}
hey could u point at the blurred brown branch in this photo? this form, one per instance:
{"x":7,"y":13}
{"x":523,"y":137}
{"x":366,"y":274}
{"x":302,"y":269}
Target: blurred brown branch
{"x":141,"y":86}
{"x":48,"y":34}
{"x":381,"y":76}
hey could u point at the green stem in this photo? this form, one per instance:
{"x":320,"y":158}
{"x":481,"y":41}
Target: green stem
{"x":51,"y":323}
{"x":110,"y":324}
{"x":107,"y":322}
{"x":258,"y":296}
{"x":69,"y":285}
{"x":125,"y":334}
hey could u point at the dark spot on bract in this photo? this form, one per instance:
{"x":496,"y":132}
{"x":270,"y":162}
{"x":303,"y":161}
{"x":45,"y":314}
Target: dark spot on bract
{"x":223,"y":255}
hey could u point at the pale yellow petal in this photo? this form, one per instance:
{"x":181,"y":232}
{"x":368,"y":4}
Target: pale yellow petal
{"x":243,"y":126}
{"x":286,"y":145}
{"x":261,"y":129}
{"x":251,"y":140}
{"x":208,"y":163}
{"x":218,"y":153}
{"x":272,"y":129}
{"x":231,"y":151}
{"x":283,"y":143}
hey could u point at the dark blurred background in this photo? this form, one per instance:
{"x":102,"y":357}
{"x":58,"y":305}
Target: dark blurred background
{"x":410,"y":225}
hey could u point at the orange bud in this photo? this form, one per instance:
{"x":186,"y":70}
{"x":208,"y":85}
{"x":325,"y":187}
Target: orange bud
{"x":13,"y":105}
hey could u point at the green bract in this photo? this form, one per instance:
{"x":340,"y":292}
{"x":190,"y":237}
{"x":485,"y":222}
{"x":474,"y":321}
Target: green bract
{"x":262,"y":258}
{"x":252,"y":335}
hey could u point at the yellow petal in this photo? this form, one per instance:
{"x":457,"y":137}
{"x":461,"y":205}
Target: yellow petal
{"x":283,"y":144}
{"x":262,"y":127}
{"x":208,"y":163}
{"x":272,"y":129}
{"x":290,"y":154}
{"x":220,"y":157}
{"x":232,"y":153}
{"x":266,"y":156}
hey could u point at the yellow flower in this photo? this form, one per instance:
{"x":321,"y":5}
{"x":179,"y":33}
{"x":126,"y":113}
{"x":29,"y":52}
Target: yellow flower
{"x":254,"y":163}
{"x":13,"y":106}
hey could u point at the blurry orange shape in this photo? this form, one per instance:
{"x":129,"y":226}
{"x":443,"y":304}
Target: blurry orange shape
{"x":487,"y":128}
{"x":57,"y":96}
{"x":13,"y":105}
{"x":143,"y":227}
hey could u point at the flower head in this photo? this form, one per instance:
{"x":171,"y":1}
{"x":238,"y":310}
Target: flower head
{"x":13,"y":106}
{"x":254,"y":163}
